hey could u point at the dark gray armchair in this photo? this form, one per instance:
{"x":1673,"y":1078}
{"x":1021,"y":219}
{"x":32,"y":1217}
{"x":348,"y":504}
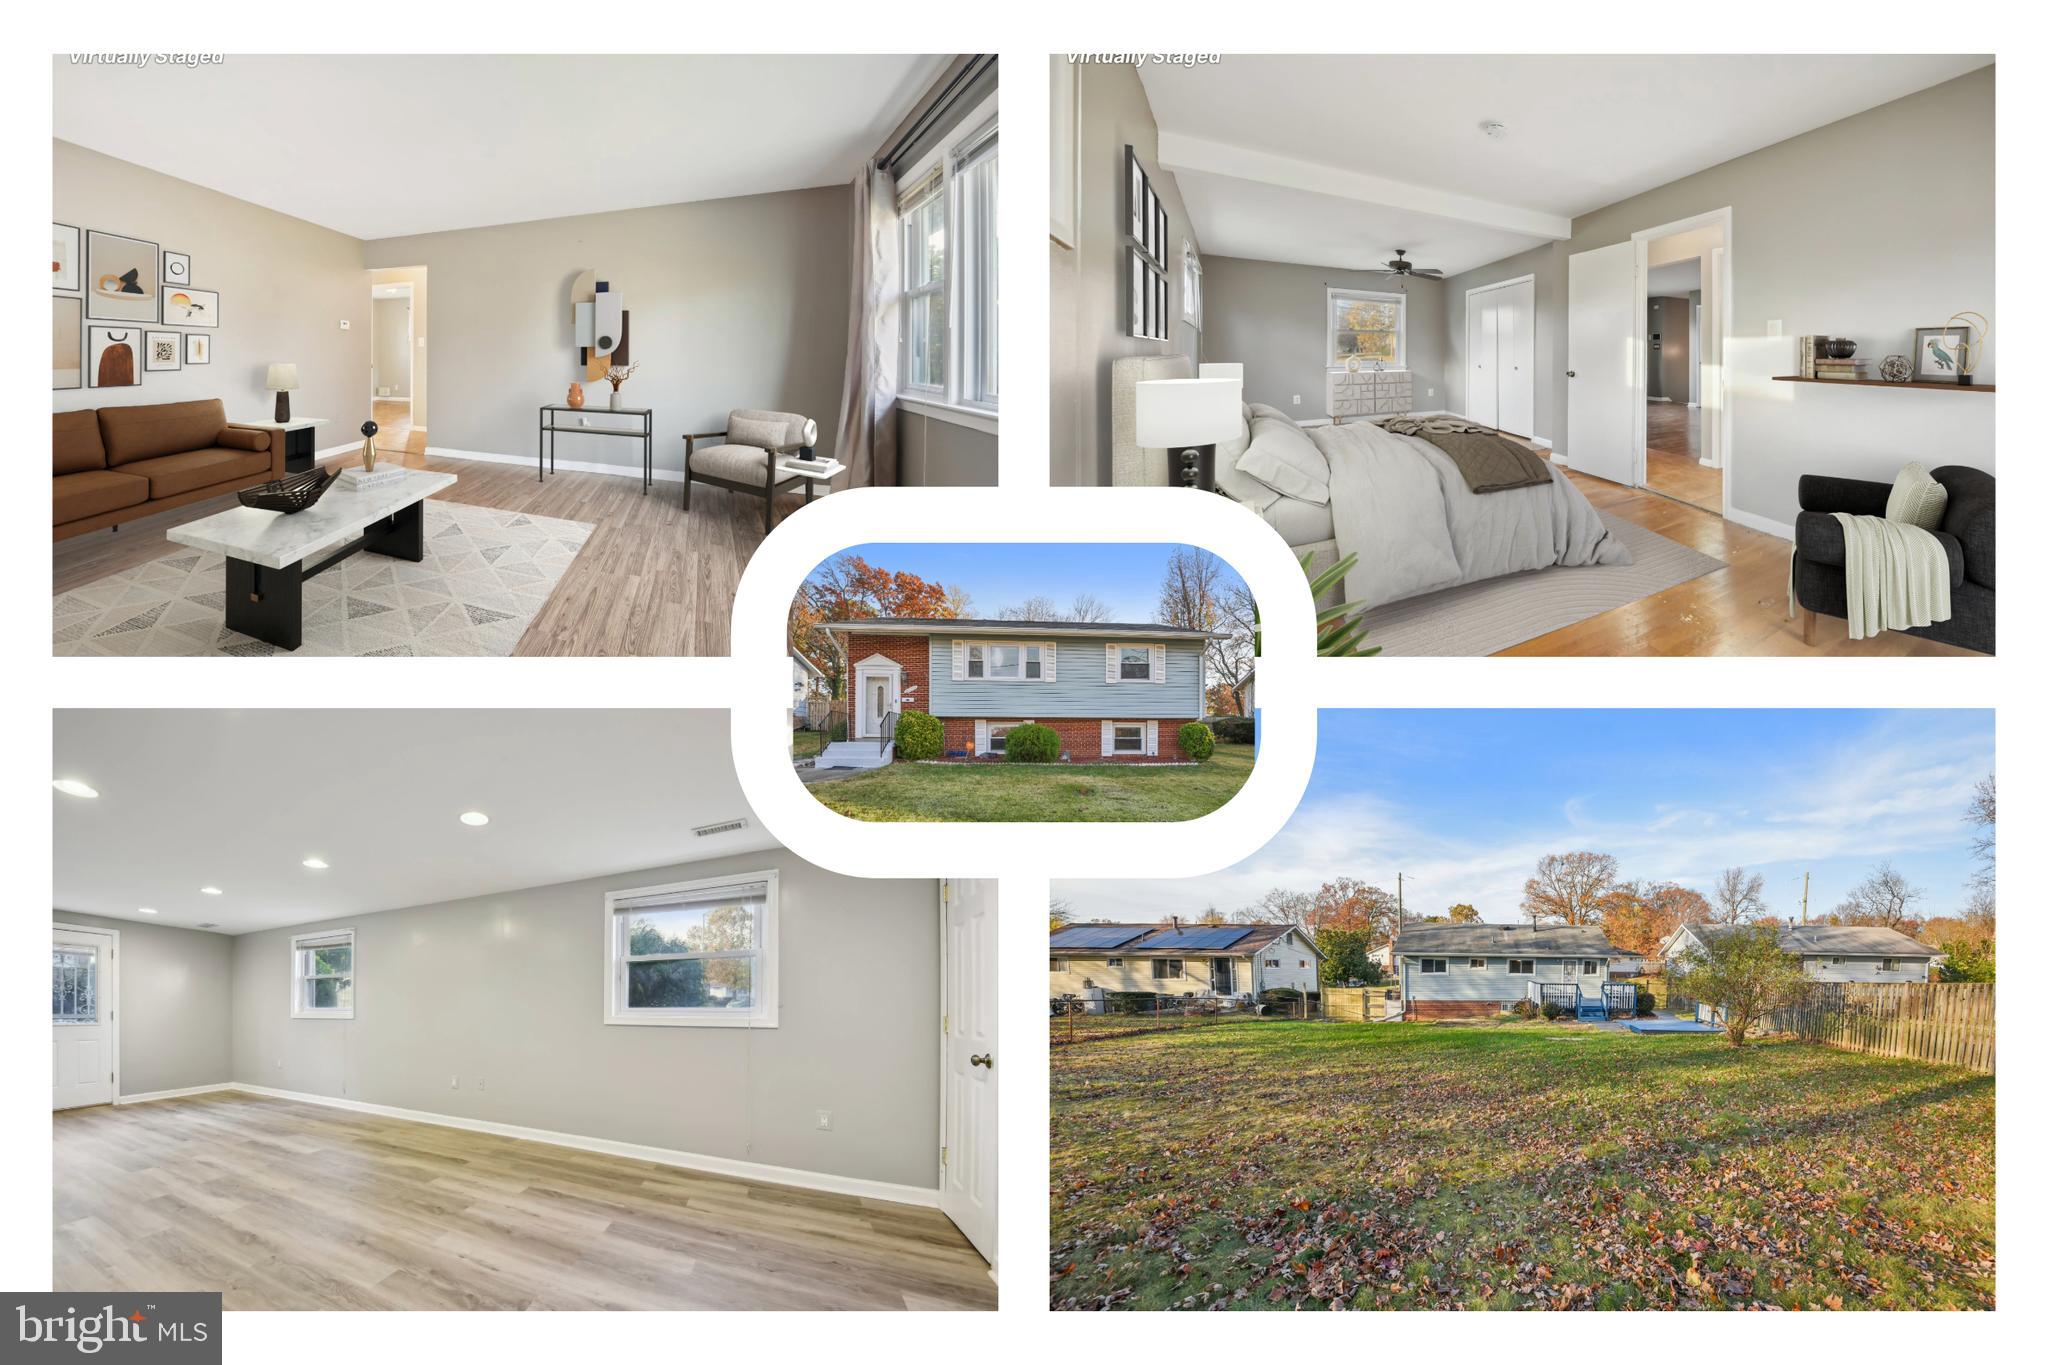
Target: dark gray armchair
{"x":1966,"y":532}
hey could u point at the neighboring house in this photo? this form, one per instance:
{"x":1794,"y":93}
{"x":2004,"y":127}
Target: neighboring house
{"x":1466,"y":971}
{"x":1384,"y":955}
{"x":1112,"y":692}
{"x":1830,"y":952}
{"x":805,"y":677}
{"x":1233,"y":960}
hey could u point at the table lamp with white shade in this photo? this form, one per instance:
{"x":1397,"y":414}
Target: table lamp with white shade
{"x":282,"y":378}
{"x":1188,"y":417}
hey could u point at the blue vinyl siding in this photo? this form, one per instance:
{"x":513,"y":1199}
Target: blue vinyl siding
{"x":1078,"y":692}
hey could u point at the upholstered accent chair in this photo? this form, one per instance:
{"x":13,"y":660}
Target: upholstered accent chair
{"x":1819,"y":581}
{"x":745,"y":457}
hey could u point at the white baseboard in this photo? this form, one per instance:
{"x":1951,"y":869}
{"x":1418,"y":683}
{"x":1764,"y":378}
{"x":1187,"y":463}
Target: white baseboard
{"x":1541,"y":444}
{"x":631,"y":471}
{"x":1757,"y":523}
{"x":661,"y":1156}
{"x":173,"y":1094}
{"x":345,"y":448}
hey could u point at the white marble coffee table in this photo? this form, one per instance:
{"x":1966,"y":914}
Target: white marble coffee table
{"x":270,"y":555}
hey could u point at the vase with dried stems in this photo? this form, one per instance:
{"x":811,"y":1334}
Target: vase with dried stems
{"x":616,"y":376}
{"x":1970,"y":350}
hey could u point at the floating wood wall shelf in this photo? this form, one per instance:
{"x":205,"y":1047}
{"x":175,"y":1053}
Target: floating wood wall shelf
{"x":1885,"y":384}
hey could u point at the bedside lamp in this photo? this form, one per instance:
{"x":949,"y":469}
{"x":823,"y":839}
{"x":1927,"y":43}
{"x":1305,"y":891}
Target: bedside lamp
{"x":1190,"y":416}
{"x":282,"y":378}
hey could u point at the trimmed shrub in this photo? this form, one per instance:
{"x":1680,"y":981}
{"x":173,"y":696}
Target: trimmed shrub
{"x":918,"y":736}
{"x":1279,"y":1000}
{"x":1197,"y":741}
{"x":1646,"y":1003}
{"x":1552,"y":1010}
{"x":1032,"y":744}
{"x":1128,"y":1002}
{"x":1232,"y":729}
{"x":1523,"y":1009}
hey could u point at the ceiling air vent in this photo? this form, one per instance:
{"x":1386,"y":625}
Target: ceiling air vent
{"x":722,"y":827}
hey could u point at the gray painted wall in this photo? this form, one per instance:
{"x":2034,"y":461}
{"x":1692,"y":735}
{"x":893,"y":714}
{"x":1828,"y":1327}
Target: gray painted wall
{"x":285,"y":288}
{"x":509,"y":989}
{"x":931,"y":452}
{"x":174,"y":1007}
{"x":736,"y":303}
{"x":1088,"y":284}
{"x":391,"y":330}
{"x":1671,"y":369}
{"x":1546,"y":263}
{"x":1269,"y":315}
{"x":1866,"y":228}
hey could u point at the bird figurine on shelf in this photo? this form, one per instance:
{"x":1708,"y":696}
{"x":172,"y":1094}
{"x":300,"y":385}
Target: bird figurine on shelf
{"x":369,"y":447}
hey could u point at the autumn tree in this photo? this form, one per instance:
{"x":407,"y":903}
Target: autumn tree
{"x":1347,"y":957}
{"x":1347,"y":903}
{"x":1462,"y":914}
{"x":1211,"y":916}
{"x":1192,"y":595}
{"x":1060,"y":912}
{"x":1738,"y":896}
{"x":848,"y":588}
{"x":1743,"y":973}
{"x":1883,"y":898}
{"x":1983,"y":813}
{"x":1568,"y":888}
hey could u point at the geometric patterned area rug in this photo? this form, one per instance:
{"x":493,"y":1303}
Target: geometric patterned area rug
{"x":485,"y":576}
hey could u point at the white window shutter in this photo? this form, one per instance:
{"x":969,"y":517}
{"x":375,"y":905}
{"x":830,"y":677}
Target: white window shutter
{"x":980,"y":738}
{"x":1109,"y":662}
{"x":1049,"y":662}
{"x":1108,"y":738}
{"x":1152,"y":738}
{"x":1158,"y":664}
{"x":959,"y":661}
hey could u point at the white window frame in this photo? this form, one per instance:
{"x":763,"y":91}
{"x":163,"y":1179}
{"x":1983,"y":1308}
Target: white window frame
{"x":1059,"y":964}
{"x":1190,"y":284}
{"x":972,"y":293}
{"x":1432,"y":966}
{"x":1475,"y":964}
{"x":1272,"y":962}
{"x":324,"y":938}
{"x":1113,"y":961}
{"x":1116,"y":738}
{"x":1527,"y":966}
{"x":1889,"y":964}
{"x":999,"y":734}
{"x":1335,"y":362}
{"x":1589,"y":967}
{"x":767,"y":996}
{"x":1029,"y":653}
{"x":1123,"y":663}
{"x":1169,"y":968}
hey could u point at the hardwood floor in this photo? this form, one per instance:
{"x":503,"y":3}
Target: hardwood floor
{"x":652,"y":580}
{"x":1674,"y":451}
{"x":1739,"y":610}
{"x":281,"y":1205}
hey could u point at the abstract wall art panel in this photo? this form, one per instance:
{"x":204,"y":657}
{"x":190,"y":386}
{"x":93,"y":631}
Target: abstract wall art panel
{"x":64,"y":271}
{"x":198,"y":348}
{"x":120,"y":278}
{"x":162,"y":351}
{"x":177,"y":268}
{"x":185,"y":307}
{"x":116,"y":360}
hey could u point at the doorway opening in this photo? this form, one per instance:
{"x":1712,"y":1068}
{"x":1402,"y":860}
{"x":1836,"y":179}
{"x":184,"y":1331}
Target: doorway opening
{"x":398,"y":360}
{"x":1683,"y":323}
{"x":85,"y":993}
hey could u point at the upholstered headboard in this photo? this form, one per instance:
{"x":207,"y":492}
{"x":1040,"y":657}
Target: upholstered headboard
{"x":1130,"y":463}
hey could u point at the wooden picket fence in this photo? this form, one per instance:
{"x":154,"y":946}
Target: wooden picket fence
{"x":1360,"y":1004}
{"x":1954,"y":1024}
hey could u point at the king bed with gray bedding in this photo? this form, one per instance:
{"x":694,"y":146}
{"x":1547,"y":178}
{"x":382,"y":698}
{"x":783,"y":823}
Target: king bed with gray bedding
{"x":1396,"y":501}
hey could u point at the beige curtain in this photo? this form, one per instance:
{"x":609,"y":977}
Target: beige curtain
{"x":867,"y":411}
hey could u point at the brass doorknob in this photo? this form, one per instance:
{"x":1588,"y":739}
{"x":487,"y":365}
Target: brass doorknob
{"x":983,"y":1060}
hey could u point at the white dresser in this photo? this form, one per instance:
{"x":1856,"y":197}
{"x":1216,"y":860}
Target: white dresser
{"x":1370,"y":393}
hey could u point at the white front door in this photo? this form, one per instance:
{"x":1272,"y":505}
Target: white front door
{"x":877,"y":705}
{"x":967,"y":1177}
{"x":1601,"y":362}
{"x":84,"y":994}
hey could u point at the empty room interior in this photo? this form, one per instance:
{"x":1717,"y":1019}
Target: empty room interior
{"x":1578,"y":355}
{"x":530,"y":1023}
{"x":556,"y":375}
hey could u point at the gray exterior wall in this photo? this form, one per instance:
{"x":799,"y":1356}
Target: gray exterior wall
{"x":1547,"y":264}
{"x":1088,"y":283}
{"x":1460,"y":982}
{"x":504,"y":995}
{"x":1270,"y":316}
{"x":1826,"y":967}
{"x":1077,"y":691}
{"x":735,"y":303}
{"x":174,"y":1007}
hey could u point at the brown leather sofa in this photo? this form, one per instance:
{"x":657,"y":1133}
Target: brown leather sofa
{"x":111,"y":465}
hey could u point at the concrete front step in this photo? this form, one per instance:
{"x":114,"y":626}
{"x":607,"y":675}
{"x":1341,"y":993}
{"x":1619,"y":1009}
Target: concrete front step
{"x":860,"y":753}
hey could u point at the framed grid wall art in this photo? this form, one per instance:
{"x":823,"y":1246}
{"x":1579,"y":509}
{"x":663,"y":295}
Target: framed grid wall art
{"x":1146,"y":225}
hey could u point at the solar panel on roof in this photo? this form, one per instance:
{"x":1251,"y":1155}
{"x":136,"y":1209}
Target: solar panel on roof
{"x":1099,"y":935}
{"x":1201,"y":939}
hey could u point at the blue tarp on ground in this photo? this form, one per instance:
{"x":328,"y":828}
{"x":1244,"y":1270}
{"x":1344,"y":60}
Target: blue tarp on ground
{"x":1672,"y":1026}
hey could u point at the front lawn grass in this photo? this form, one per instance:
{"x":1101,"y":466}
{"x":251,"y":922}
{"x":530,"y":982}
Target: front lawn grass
{"x":1040,"y":791}
{"x":806,"y":743}
{"x":1268,"y":1163}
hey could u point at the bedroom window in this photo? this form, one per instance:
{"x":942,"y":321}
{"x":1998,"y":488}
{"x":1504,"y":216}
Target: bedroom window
{"x":699,"y":953}
{"x":1372,"y":327}
{"x":952,"y":320}
{"x":1166,"y":968}
{"x":1521,"y":966}
{"x":1134,"y":663}
{"x":1190,"y":284}
{"x":1433,"y":966}
{"x":1005,"y":663}
{"x":324,"y":975}
{"x":1127,"y":739}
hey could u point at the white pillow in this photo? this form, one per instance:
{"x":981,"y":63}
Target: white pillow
{"x":1282,"y":457}
{"x":1916,"y":499}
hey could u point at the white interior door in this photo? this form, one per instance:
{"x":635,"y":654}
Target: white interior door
{"x":1601,"y":362}
{"x":84,"y":996}
{"x":967,"y":1181}
{"x":1515,"y":359}
{"x":1481,"y":347}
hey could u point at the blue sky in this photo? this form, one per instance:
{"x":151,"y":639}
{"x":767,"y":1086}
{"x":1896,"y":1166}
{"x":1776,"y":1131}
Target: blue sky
{"x":1124,"y":577}
{"x":1465,"y":802}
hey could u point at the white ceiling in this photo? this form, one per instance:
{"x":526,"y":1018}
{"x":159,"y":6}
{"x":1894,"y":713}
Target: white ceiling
{"x":390,"y":146}
{"x":1362,"y":154}
{"x":236,"y":799}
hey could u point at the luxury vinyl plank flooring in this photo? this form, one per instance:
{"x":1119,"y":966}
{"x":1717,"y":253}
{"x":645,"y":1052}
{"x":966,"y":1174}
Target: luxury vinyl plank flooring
{"x":281,"y":1205}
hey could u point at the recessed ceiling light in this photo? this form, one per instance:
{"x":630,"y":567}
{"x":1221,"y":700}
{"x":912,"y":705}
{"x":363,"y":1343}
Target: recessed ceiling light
{"x":144,"y":910}
{"x":315,"y":863}
{"x":475,"y":817}
{"x":71,"y":786}
{"x":209,"y":891}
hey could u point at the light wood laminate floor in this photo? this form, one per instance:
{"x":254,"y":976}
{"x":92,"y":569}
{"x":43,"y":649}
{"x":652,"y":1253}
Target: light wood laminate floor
{"x":1673,"y":450}
{"x":652,"y":580}
{"x":283,"y":1205}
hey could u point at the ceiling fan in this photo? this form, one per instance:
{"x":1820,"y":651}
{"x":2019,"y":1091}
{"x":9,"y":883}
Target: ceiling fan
{"x":1402,"y":266}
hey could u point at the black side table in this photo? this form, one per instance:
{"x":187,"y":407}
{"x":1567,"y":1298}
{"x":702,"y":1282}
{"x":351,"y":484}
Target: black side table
{"x":549,"y":423}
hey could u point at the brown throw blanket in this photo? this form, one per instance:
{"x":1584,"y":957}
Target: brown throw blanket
{"x":1490,"y":462}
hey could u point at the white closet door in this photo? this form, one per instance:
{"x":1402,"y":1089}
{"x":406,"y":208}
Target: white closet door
{"x":1515,"y":366}
{"x":1482,"y":322}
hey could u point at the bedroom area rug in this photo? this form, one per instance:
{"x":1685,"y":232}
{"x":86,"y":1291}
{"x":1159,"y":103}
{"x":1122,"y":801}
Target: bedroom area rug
{"x":485,"y":576}
{"x":1485,"y":618}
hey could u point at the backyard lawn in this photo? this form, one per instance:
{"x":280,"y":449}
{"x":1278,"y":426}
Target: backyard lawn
{"x":1040,"y":791}
{"x":1270,"y":1164}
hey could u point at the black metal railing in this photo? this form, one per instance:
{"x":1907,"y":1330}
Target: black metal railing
{"x":888,"y":735}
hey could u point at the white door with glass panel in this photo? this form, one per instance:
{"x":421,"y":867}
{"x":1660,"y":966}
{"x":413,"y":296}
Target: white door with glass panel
{"x":83,"y":994}
{"x":967,"y":1176}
